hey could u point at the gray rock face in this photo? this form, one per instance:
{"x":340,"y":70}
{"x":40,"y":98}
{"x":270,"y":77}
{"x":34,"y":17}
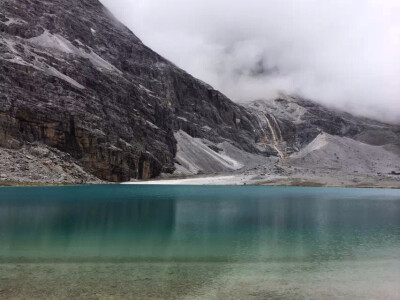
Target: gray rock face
{"x":74,"y":78}
{"x":296,"y":122}
{"x":41,"y":164}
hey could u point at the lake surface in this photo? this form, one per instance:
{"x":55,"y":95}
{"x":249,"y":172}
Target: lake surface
{"x":199,"y":242}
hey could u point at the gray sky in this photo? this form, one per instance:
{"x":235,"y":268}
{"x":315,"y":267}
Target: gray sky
{"x":345,"y":53}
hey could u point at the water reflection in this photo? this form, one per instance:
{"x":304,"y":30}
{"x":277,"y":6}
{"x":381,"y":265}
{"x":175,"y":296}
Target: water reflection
{"x":189,"y":223}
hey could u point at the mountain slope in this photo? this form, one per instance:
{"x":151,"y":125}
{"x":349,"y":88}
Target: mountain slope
{"x":294,"y":122}
{"x":293,"y":126}
{"x":345,"y":154}
{"x":77,"y":82}
{"x":74,"y":78}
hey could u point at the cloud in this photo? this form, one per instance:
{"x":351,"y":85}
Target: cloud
{"x":342,"y":53}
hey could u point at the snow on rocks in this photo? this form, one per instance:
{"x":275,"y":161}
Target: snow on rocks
{"x":196,"y":156}
{"x":59,"y":43}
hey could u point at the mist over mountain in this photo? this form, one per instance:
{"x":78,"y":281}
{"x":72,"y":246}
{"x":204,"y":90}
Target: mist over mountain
{"x":340,"y":53}
{"x":77,"y":80}
{"x":83,"y":99}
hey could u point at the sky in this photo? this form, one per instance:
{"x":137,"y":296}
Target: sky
{"x":341,"y":53}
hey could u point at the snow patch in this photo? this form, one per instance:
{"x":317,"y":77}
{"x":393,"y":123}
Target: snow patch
{"x":48,"y":40}
{"x":41,"y":66}
{"x":52,"y":71}
{"x":59,"y":43}
{"x":195,"y":156}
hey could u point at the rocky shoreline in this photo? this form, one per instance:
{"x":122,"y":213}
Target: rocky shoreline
{"x":38,"y":164}
{"x":297,"y":179}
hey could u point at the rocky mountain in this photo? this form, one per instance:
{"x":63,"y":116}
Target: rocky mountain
{"x":81,"y":97}
{"x":75,"y":79}
{"x":321,"y":145}
{"x":293,"y":122}
{"x":305,"y":135}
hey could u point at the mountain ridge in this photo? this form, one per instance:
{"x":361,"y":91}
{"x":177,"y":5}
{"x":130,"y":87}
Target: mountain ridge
{"x":77,"y":81}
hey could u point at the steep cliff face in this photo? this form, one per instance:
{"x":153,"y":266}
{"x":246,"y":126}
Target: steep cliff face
{"x":291,"y":123}
{"x":74,"y":78}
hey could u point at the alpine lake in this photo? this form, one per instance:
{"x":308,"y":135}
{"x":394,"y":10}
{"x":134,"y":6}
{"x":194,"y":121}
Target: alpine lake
{"x":199,"y":242}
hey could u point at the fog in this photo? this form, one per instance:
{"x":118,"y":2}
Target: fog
{"x":338,"y":52}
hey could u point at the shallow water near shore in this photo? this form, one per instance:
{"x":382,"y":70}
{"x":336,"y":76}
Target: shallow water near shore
{"x":199,"y":242}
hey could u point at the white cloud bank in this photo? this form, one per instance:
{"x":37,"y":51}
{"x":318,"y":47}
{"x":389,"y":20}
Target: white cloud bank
{"x":338,"y":52}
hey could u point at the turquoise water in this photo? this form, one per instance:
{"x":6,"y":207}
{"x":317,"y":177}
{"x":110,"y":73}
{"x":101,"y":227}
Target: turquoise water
{"x":204,"y":242}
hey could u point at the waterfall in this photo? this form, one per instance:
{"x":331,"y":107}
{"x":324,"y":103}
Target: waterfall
{"x":278,"y":128}
{"x":260,"y":118}
{"x":268,"y":120}
{"x":275,"y":137}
